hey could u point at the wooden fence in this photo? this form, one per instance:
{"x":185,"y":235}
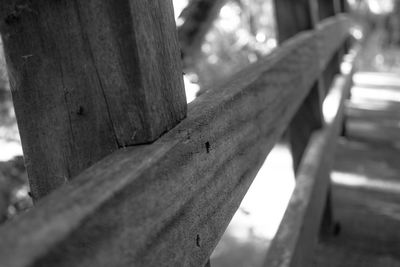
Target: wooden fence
{"x":98,"y":80}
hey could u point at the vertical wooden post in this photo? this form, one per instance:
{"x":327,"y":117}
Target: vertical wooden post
{"x":329,"y":8}
{"x":294,"y":16}
{"x":309,"y":117}
{"x":326,"y":8}
{"x":89,"y":77}
{"x":343,"y":6}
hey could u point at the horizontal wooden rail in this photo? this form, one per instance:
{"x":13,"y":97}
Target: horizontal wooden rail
{"x":294,"y":242}
{"x":168,"y":203}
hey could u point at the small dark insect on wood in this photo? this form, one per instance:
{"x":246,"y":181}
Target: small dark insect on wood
{"x":337,"y":228}
{"x":80,"y":110}
{"x":198,"y":240}
{"x":208,"y":147}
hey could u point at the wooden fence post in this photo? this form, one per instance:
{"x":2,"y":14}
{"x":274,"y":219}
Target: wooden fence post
{"x":87,"y":78}
{"x":329,"y":8}
{"x":343,"y":6}
{"x":326,"y":8}
{"x":294,"y":16}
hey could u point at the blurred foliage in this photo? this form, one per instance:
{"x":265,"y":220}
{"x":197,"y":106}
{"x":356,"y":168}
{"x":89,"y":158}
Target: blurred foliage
{"x":243,"y":32}
{"x":14,"y":187}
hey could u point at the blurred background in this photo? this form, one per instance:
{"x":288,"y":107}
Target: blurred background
{"x":218,"y":38}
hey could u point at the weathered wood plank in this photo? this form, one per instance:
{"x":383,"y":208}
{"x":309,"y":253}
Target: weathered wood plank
{"x":292,"y":17}
{"x":168,"y":203}
{"x":297,"y":235}
{"x":87,"y":78}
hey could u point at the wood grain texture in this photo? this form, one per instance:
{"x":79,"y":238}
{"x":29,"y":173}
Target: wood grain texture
{"x":87,"y":78}
{"x":292,"y":17}
{"x":297,"y":235}
{"x":168,"y":203}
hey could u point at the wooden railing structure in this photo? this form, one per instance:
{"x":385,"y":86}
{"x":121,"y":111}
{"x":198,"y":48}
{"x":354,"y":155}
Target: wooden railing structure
{"x":98,"y":83}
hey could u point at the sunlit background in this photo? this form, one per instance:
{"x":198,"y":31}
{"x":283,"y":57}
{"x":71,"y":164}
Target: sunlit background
{"x":242,"y":33}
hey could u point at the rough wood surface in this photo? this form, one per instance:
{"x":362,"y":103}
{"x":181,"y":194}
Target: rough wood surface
{"x":168,"y":203}
{"x":292,"y":17}
{"x":87,"y":78}
{"x":297,"y":235}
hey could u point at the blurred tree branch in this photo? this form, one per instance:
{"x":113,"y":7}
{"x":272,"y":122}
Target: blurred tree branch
{"x":197,"y":17}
